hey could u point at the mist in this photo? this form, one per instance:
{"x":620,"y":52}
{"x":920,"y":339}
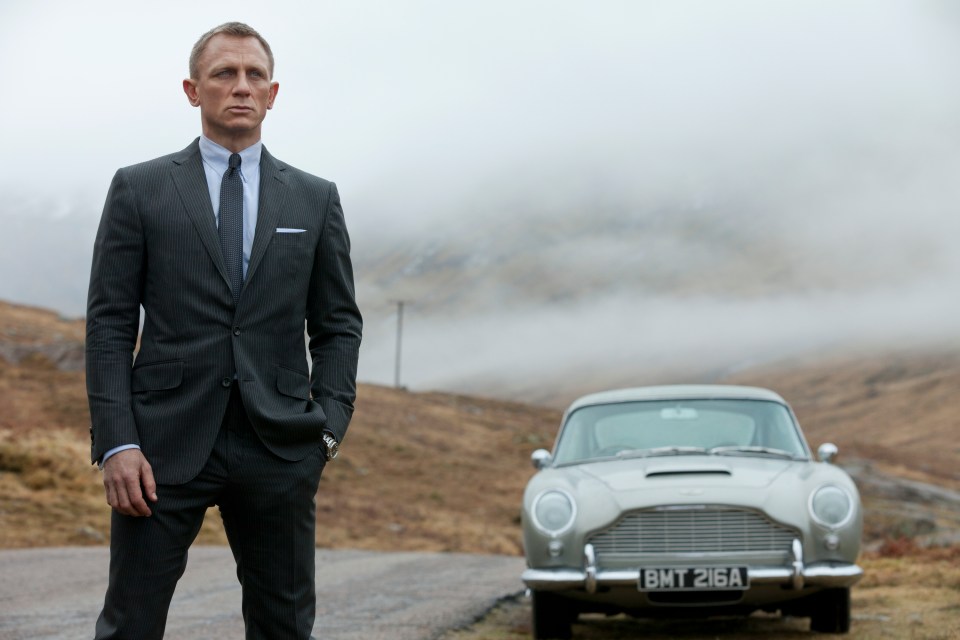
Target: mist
{"x":620,"y":191}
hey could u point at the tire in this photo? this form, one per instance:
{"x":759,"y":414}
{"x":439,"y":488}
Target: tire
{"x":830,"y":612}
{"x":552,"y":616}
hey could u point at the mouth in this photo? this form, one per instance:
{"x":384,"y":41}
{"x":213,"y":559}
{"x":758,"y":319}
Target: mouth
{"x":239,"y":109}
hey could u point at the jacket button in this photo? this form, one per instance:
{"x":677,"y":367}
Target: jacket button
{"x":236,"y":331}
{"x":226,"y":382}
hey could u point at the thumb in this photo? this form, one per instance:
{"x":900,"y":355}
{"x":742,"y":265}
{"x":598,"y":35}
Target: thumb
{"x":149,"y":484}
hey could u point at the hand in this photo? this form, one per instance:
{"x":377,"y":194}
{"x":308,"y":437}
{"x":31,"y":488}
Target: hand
{"x":127,"y":478}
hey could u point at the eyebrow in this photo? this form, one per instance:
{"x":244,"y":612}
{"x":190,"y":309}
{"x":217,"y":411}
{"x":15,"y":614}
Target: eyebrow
{"x":230,"y":66}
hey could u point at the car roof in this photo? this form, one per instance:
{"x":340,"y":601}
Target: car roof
{"x":677,"y":392}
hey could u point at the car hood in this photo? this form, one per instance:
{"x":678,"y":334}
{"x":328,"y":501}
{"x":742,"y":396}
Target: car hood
{"x":727,"y":472}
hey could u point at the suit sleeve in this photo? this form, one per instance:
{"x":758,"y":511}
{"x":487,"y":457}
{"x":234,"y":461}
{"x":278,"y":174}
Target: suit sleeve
{"x":334,"y":324}
{"x":113,"y":319}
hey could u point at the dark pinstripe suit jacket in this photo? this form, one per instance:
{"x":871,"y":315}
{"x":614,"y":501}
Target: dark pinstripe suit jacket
{"x":157,"y":246}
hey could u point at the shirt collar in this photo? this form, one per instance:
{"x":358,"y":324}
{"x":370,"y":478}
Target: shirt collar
{"x":218,"y":157}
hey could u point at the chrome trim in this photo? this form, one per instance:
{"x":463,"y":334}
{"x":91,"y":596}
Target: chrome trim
{"x":844,"y":575}
{"x":797,"y":552}
{"x":815,"y":576}
{"x":540,"y":458}
{"x":694,"y":529}
{"x":827,"y":452}
{"x":555,"y":579}
{"x":590,"y":568}
{"x":833,"y":576}
{"x":591,"y":578}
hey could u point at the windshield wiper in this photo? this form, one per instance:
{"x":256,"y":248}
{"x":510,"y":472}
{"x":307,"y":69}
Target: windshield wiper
{"x":766,"y":451}
{"x":662,"y":451}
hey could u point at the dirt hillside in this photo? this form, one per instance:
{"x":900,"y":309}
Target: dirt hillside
{"x":434,"y":471}
{"x":425,"y":471}
{"x":895,"y":418}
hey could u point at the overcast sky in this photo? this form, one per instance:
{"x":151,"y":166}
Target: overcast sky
{"x":840,"y":119}
{"x":429,"y":100}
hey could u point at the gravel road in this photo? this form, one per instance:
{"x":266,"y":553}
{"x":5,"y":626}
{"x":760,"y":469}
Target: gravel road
{"x":56,"y":594}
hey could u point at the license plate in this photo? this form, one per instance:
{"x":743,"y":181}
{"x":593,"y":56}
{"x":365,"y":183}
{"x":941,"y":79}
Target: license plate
{"x":693,"y":578}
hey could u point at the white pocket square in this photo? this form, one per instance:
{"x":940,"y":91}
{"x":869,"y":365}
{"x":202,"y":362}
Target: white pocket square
{"x":289,"y":230}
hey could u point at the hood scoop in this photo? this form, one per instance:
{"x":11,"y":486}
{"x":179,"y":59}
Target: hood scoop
{"x":688,"y":471}
{"x":648,"y":474}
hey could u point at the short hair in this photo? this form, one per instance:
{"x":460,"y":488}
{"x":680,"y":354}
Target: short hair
{"x":236,"y":29}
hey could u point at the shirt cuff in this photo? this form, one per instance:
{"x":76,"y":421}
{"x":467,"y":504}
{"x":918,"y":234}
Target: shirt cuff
{"x":109,"y":453}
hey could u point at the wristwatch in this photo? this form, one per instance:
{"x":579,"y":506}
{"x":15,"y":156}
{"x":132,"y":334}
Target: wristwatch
{"x":333,"y":447}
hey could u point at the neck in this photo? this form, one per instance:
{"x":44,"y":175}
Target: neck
{"x":235,"y":142}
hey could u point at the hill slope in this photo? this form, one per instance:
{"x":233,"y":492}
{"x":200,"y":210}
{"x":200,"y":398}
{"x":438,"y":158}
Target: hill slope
{"x":434,"y":471}
{"x":418,"y":471}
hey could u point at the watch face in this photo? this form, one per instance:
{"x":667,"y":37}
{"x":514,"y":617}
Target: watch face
{"x":332,"y":447}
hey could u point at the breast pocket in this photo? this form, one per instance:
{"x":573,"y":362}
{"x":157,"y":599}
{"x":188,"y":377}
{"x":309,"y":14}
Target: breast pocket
{"x":293,"y":253}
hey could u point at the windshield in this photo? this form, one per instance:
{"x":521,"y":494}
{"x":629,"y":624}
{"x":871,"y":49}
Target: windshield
{"x":686,"y":427}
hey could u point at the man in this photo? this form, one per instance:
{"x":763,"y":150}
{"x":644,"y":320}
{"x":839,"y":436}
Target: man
{"x":230,"y":252}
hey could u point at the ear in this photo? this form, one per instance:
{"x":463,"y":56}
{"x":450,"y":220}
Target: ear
{"x":190,"y":88}
{"x":274,"y":87}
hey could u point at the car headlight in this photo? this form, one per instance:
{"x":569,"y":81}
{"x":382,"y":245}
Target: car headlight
{"x":554,"y":511}
{"x":831,"y":506}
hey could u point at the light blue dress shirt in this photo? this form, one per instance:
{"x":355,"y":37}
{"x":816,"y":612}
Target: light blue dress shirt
{"x":215,"y":162}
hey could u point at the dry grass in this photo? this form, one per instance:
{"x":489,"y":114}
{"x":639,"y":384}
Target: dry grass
{"x":445,"y":472}
{"x":51,"y":496}
{"x":36,"y":396}
{"x":899,"y":410}
{"x":47,"y":494}
{"x":418,"y":472}
{"x":431,"y":472}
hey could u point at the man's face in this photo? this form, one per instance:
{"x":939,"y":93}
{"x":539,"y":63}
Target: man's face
{"x":233,"y":90}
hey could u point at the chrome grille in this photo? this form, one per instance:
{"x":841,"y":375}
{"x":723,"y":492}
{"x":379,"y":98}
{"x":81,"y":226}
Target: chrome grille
{"x":684,"y":530}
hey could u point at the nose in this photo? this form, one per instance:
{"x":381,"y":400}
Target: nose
{"x":242,"y":87}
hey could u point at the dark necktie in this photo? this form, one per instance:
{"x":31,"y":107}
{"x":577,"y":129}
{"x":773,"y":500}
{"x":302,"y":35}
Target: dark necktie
{"x":231,"y":224}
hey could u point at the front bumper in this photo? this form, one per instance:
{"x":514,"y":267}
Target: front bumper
{"x":797,"y":575}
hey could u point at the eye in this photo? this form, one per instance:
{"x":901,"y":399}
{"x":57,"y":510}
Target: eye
{"x":224,"y":73}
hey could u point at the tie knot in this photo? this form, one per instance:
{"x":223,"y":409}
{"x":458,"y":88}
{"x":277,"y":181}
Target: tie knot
{"x":234,"y":162}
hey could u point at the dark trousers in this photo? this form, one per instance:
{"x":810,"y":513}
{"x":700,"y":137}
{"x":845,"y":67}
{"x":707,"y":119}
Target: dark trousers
{"x":269,"y":513}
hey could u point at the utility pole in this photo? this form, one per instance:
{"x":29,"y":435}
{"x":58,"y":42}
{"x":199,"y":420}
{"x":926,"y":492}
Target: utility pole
{"x":396,"y":370}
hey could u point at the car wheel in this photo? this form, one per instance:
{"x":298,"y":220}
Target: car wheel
{"x":552,"y":616}
{"x":830,"y":611}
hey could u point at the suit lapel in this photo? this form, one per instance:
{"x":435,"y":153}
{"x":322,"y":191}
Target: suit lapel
{"x":273,"y":188}
{"x":191,"y":181}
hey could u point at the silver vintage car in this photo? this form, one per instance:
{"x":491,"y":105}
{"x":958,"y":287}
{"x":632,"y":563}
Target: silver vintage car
{"x":688,"y":500}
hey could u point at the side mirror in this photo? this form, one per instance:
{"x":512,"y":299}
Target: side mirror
{"x":540,"y":458}
{"x":827,"y":452}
